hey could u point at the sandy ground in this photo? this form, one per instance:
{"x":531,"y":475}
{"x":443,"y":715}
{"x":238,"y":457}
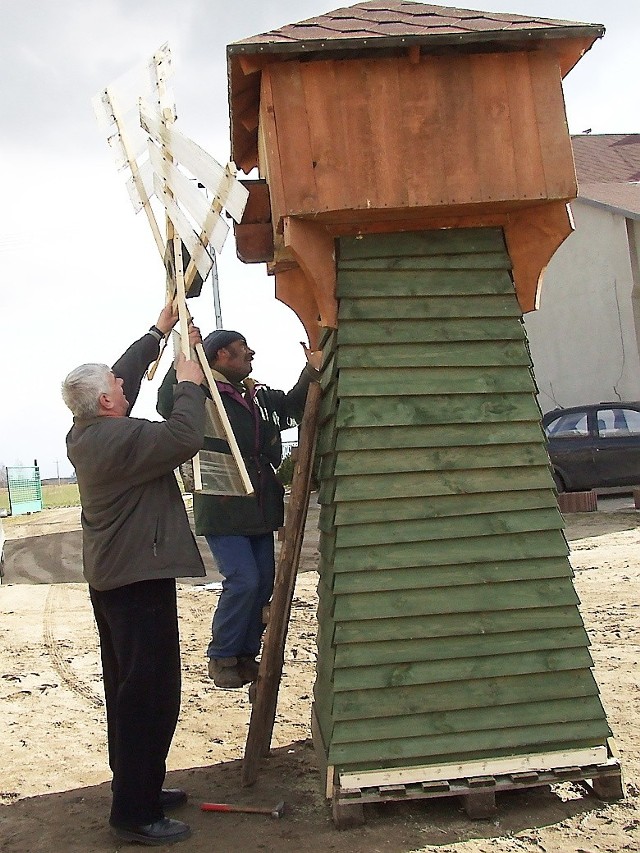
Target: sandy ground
{"x":54,"y":789}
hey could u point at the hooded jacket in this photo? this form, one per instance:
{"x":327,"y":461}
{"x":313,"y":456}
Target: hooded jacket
{"x":257,"y":418}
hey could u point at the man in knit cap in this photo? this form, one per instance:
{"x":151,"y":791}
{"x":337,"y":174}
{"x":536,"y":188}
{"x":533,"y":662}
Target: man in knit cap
{"x":239,"y":530}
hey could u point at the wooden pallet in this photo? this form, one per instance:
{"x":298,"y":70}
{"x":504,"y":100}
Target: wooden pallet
{"x":478,"y":793}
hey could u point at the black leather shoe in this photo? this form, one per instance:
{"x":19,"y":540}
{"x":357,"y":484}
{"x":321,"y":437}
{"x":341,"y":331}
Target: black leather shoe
{"x":171,"y":798}
{"x":164,"y":831}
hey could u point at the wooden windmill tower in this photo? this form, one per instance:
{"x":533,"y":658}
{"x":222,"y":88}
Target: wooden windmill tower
{"x":415,"y":171}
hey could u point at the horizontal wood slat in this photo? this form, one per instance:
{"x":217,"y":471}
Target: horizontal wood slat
{"x":420,"y":459}
{"x":504,"y":716}
{"x":445,"y":307}
{"x":385,"y":508}
{"x":488,"y":742}
{"x":414,"y":277}
{"x":428,"y":330}
{"x":425,"y":244}
{"x":459,"y":695}
{"x":423,"y":483}
{"x":431,"y":530}
{"x":472,"y":549}
{"x":408,"y":651}
{"x":435,"y":354}
{"x":406,"y":627}
{"x":359,"y":382}
{"x":460,"y":669}
{"x":458,"y":574}
{"x":421,"y":410}
{"x":509,"y":595}
{"x":433,"y":436}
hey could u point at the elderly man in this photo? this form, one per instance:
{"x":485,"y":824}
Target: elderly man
{"x":239,"y":530}
{"x":136,"y":542}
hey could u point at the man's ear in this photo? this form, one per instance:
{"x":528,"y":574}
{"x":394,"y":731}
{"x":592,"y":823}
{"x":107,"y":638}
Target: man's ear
{"x":105,"y":402}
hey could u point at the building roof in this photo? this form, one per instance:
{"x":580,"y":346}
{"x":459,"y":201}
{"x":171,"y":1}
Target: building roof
{"x":386,"y":27}
{"x":607,"y":157}
{"x":608,"y":170}
{"x":380,"y":18}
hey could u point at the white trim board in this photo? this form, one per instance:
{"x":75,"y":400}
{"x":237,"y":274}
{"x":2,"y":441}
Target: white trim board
{"x":543,"y":761}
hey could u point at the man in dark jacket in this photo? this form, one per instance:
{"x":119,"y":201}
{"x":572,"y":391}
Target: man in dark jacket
{"x":136,"y":541}
{"x":239,"y":530}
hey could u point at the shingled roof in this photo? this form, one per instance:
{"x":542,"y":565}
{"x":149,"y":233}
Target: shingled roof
{"x":608,"y":170}
{"x":384,"y":18}
{"x":386,"y":27}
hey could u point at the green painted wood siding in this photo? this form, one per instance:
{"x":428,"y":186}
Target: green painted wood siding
{"x":449,"y":627}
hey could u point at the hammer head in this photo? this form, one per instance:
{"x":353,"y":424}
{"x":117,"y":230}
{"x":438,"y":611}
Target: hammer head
{"x":279,"y":810}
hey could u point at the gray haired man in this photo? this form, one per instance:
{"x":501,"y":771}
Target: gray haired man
{"x":136,"y":541}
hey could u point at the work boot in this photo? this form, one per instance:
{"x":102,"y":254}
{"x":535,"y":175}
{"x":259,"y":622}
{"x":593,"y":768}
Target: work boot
{"x":248,"y":668}
{"x":225,"y":673}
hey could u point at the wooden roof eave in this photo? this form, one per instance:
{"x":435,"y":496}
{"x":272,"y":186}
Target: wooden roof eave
{"x":245,"y":61}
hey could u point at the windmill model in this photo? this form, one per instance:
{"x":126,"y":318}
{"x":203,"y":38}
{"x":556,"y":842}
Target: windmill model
{"x":137,"y":112}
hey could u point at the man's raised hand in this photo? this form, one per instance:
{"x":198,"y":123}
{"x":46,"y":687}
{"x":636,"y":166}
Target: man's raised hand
{"x":188,"y":370}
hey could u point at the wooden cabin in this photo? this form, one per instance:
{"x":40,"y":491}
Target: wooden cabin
{"x":414,"y":172}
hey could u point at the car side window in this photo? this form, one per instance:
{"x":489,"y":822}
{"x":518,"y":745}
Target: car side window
{"x":568,"y":426}
{"x":618,"y":422}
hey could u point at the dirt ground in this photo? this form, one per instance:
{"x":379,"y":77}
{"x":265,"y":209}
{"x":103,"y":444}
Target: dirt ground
{"x":54,"y":788}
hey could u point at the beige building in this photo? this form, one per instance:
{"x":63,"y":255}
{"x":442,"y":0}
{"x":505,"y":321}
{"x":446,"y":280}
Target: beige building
{"x":585,"y":337}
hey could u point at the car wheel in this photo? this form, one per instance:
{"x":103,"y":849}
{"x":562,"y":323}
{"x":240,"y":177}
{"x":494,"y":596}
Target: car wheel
{"x":557,"y":479}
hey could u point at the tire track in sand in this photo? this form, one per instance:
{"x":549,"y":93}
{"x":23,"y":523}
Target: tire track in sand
{"x":58,"y":595}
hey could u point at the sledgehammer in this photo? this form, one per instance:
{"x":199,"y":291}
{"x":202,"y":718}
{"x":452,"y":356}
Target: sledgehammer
{"x":276,"y":811}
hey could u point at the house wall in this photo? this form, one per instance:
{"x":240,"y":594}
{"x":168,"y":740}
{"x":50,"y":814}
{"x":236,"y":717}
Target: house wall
{"x":583,"y":338}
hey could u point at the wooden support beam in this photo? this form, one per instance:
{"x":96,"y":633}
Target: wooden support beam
{"x":314,"y":249}
{"x":294,"y":289}
{"x":263,"y":709}
{"x":532,"y":236}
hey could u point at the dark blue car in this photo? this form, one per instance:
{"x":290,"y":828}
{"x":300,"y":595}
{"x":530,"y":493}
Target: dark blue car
{"x":595,"y":446}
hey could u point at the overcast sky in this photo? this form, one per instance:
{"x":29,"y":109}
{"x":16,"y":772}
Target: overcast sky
{"x":80,"y":275}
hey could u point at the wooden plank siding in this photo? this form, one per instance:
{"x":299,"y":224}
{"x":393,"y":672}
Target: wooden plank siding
{"x":389,"y":134}
{"x":449,"y":628}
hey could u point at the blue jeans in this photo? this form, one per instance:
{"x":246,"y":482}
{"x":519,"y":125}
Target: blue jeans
{"x":247,"y":566}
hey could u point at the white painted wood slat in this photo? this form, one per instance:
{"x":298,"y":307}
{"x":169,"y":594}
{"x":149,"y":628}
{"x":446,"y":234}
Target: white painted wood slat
{"x":217,"y":179}
{"x":184,"y":228}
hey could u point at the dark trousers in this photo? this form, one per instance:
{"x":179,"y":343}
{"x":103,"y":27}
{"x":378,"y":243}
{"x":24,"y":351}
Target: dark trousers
{"x":138,"y":628}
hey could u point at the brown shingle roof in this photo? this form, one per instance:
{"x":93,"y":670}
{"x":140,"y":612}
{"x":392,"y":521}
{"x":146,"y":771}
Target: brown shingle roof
{"x":392,"y":26}
{"x":375,"y":19}
{"x":608,"y":170}
{"x":607,"y":157}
